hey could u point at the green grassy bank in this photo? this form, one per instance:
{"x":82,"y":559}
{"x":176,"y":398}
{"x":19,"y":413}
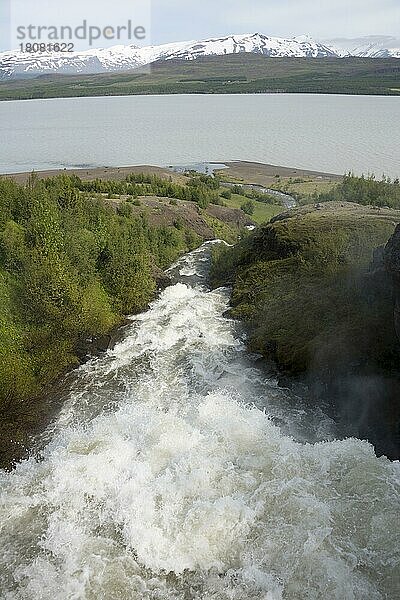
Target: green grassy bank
{"x":75,"y":257}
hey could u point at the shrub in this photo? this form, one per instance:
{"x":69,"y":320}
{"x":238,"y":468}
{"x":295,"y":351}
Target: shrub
{"x":364,"y":190}
{"x":238,"y":189}
{"x":227,"y":194}
{"x":248,"y":207}
{"x":124,"y":209}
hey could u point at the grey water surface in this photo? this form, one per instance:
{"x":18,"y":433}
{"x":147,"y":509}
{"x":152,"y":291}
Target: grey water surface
{"x":327,"y":133}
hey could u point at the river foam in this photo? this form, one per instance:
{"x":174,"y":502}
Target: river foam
{"x":177,"y":470}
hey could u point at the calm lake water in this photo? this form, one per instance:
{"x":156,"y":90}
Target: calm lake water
{"x":321,"y":132}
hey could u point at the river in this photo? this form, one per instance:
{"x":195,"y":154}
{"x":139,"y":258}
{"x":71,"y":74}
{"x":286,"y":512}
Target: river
{"x":178,"y":469}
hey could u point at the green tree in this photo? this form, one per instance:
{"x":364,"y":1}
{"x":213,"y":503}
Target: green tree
{"x":248,"y":207}
{"x":227,"y":194}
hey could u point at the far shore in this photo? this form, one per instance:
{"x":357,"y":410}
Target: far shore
{"x":253,"y":172}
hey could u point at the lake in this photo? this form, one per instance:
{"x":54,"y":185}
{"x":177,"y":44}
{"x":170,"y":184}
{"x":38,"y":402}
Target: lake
{"x":320,"y":132}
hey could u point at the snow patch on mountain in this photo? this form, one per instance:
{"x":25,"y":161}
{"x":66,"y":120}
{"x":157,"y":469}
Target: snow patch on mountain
{"x":303,"y":46}
{"x":373,"y":51}
{"x":371,"y":46}
{"x":123,"y":58}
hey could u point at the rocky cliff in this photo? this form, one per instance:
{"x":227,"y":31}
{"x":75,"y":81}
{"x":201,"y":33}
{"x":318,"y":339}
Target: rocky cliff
{"x":317,"y":297}
{"x":392,"y":264}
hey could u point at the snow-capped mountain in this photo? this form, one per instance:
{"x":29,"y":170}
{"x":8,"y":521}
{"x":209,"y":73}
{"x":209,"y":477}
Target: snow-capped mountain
{"x":374,"y":51}
{"x":372,"y":46}
{"x":17,"y":64}
{"x":121,"y":58}
{"x":303,"y":46}
{"x":21,"y":64}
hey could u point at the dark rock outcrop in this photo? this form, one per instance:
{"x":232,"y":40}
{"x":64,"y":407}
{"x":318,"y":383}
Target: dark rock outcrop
{"x":162,"y":279}
{"x":315,"y":287}
{"x":392,"y":264}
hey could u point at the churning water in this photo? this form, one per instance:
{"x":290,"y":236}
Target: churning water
{"x":178,"y":469}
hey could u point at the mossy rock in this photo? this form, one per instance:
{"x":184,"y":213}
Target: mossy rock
{"x":300,"y":282}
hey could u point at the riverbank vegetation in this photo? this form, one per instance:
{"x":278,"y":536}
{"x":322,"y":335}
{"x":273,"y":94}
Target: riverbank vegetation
{"x":75,"y":257}
{"x":366,"y":190}
{"x":71,"y":266}
{"x":295,"y":182}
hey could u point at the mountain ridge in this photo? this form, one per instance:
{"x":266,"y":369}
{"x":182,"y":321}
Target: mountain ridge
{"x":370,"y":46}
{"x":19,"y":65}
{"x":16,"y":64}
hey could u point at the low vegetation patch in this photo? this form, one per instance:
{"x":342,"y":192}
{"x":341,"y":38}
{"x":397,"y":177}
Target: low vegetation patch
{"x":368,"y":191}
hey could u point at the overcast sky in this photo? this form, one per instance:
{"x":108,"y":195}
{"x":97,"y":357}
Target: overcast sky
{"x":175,"y":20}
{"x":185,"y":19}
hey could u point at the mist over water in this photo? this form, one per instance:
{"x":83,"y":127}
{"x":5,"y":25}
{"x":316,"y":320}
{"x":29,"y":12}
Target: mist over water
{"x":178,"y":469}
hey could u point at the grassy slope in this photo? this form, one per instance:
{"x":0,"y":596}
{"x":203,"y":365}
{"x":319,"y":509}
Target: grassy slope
{"x":242,"y":73}
{"x":303,"y":187}
{"x":262,"y":212}
{"x":205,"y":223}
{"x":299,"y":283}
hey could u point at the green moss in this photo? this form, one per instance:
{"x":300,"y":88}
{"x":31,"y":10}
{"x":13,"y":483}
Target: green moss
{"x":300,"y":284}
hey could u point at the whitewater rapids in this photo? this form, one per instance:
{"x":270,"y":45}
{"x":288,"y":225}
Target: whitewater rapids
{"x":178,"y":469}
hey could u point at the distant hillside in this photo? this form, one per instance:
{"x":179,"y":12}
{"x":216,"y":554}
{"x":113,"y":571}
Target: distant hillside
{"x":235,"y":73}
